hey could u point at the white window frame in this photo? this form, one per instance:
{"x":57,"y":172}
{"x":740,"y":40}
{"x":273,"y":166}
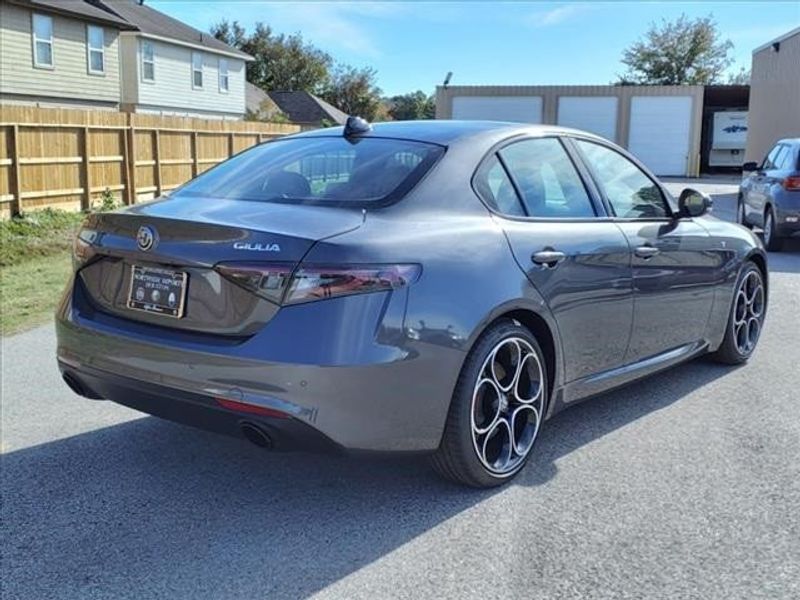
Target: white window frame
{"x":145,"y":61}
{"x":89,"y":50}
{"x":195,"y":70}
{"x":224,"y":75}
{"x":36,"y":40}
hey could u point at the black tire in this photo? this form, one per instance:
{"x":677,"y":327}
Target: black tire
{"x":731,"y":351}
{"x":772,"y":241}
{"x":457,"y":457}
{"x":740,"y":217}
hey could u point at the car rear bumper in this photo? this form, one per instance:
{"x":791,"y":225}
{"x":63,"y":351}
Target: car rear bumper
{"x":789,"y":225}
{"x":282,"y":432}
{"x":787,"y":212}
{"x":349,"y":377}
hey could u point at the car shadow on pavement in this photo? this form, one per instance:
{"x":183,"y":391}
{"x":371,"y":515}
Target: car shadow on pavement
{"x":591,"y":420}
{"x":788,"y":259}
{"x":152,"y":509}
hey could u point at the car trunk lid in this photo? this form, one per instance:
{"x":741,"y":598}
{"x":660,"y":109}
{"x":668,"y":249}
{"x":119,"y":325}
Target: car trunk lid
{"x":190,"y":236}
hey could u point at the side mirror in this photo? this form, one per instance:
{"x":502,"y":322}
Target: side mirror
{"x":693,"y":203}
{"x":749,"y":167}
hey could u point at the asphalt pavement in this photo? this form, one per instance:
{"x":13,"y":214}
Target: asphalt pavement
{"x":686,"y":485}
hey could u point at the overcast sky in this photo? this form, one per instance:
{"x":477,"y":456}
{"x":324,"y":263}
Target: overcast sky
{"x":414,"y":44}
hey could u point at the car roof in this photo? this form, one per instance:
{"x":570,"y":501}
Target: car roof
{"x":789,"y":141}
{"x":446,"y":132}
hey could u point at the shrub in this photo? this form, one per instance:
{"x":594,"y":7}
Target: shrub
{"x":107,"y":201}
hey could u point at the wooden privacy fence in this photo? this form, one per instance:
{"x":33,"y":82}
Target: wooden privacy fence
{"x":64,"y":158}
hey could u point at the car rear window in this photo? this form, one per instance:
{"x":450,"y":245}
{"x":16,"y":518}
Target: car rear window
{"x":319,"y":170}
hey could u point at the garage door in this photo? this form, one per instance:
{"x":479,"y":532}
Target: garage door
{"x":597,"y":115}
{"x":521,"y":109}
{"x":659,"y":132}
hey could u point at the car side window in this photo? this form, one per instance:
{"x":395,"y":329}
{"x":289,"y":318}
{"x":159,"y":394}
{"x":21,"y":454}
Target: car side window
{"x":631,"y":193}
{"x":547,"y":180}
{"x":494,"y":186}
{"x":784,"y":162}
{"x":773,"y":159}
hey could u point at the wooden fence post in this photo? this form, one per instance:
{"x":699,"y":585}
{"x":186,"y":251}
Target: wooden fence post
{"x":16,"y":182}
{"x":194,"y":154}
{"x":230,"y":144}
{"x":132,"y":155}
{"x":158,"y":162}
{"x":126,"y":175}
{"x":86,"y":199}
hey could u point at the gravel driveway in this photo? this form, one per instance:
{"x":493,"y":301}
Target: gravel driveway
{"x":683,"y":486}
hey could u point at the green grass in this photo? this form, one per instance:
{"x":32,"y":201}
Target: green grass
{"x":31,"y":290}
{"x":43,"y":233}
{"x":34,"y":266}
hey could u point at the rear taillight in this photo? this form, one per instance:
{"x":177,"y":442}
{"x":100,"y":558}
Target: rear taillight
{"x":83,"y":247}
{"x":318,"y":282}
{"x":282,"y":284}
{"x":792,"y":184}
{"x":267,"y":280}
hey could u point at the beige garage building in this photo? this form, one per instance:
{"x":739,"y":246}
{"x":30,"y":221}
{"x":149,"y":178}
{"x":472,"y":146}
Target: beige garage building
{"x":660,"y":124}
{"x":774,"y":94}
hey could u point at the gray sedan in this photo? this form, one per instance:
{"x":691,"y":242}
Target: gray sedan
{"x":441,"y":287}
{"x":769,"y":195}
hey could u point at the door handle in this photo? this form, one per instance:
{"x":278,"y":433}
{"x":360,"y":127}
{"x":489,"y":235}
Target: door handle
{"x":646,"y":251}
{"x":548,"y":258}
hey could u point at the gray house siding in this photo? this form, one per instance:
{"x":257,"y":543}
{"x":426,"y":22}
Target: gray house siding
{"x":172,"y":92}
{"x":69,"y":79}
{"x":129,"y":61}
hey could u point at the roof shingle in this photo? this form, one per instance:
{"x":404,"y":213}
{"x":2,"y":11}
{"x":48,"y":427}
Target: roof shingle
{"x":258,"y":102}
{"x":81,"y":9}
{"x":150,"y":21}
{"x":304,"y":107}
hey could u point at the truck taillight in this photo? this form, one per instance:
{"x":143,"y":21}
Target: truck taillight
{"x":792,"y":184}
{"x":280,"y":283}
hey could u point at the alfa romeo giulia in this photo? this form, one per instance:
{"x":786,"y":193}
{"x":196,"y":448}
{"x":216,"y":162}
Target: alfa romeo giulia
{"x":437,"y":287}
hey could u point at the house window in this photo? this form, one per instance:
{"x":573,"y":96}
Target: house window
{"x":197,"y":70}
{"x":224,"y":80}
{"x":148,"y":62}
{"x":42,"y":41}
{"x":95,"y":48}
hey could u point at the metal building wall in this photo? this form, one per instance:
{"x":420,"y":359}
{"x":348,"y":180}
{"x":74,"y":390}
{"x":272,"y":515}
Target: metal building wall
{"x":551,"y":93}
{"x":774,"y":95}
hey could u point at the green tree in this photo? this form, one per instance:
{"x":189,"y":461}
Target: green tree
{"x":681,"y":52}
{"x":354,"y":91}
{"x":411,"y":106}
{"x":232,"y":34}
{"x":741,"y":77}
{"x":282,"y":62}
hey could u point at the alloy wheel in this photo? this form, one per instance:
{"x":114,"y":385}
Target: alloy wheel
{"x":748,"y":313}
{"x":507,"y":406}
